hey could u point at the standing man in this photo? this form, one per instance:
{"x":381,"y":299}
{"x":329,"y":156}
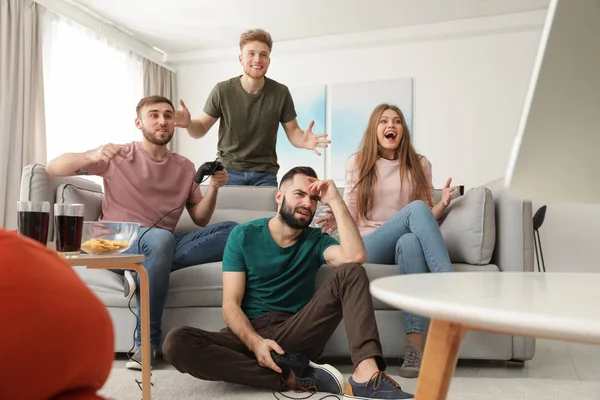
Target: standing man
{"x":251,"y":107}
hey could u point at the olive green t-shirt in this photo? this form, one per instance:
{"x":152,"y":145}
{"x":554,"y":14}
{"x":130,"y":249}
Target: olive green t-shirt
{"x":249,"y":123}
{"x":277,"y":278}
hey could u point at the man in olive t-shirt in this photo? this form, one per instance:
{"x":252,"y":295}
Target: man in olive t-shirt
{"x":251,"y":107}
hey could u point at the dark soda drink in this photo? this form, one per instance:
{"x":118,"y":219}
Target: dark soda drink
{"x":68,"y":233}
{"x":34,"y":225}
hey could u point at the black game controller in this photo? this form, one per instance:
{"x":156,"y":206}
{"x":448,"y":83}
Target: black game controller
{"x":206,"y":169}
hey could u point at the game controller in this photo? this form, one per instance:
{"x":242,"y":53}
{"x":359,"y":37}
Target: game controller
{"x":206,"y":169}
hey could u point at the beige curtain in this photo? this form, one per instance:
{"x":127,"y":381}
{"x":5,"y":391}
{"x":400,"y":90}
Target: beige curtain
{"x":160,"y":81}
{"x":22,"y":121}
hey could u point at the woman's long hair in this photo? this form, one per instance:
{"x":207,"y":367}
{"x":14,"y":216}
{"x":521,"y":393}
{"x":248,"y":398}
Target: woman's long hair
{"x":411,"y":170}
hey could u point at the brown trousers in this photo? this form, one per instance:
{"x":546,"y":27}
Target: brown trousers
{"x":221,"y":356}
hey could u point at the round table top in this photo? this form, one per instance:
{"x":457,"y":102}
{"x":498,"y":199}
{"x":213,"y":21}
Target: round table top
{"x":563,"y":306}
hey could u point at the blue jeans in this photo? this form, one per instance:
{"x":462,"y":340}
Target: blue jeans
{"x":251,"y":178}
{"x":165,"y":252}
{"x":412,"y":239}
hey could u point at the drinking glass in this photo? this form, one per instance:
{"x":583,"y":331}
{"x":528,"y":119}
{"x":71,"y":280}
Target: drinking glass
{"x":68,"y":225}
{"x":33,"y":220}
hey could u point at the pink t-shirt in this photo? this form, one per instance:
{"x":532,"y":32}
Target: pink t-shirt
{"x":140,"y":189}
{"x":388,"y":195}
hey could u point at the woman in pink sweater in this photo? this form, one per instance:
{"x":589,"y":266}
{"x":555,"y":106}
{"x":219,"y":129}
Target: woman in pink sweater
{"x":389,"y":192}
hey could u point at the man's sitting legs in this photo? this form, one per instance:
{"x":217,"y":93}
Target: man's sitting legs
{"x":165,"y":252}
{"x":223,"y":357}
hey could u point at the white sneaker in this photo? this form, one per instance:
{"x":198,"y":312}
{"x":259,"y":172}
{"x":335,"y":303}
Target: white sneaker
{"x":129,"y":284}
{"x":135,"y":361}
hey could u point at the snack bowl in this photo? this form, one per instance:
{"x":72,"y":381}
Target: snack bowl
{"x":104,"y":238}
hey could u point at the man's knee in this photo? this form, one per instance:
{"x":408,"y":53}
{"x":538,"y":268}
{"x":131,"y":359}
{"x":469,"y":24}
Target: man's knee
{"x":158,"y":241}
{"x":176,"y":344}
{"x":228,"y":225}
{"x":352,"y":270}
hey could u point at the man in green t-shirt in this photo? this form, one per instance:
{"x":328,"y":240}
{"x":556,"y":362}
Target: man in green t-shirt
{"x":251,"y":107}
{"x":276,"y":321}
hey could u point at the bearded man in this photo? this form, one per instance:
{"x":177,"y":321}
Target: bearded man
{"x":145,"y":182}
{"x":277,"y":322}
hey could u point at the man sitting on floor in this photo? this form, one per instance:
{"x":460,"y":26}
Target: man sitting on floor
{"x":147,"y":183}
{"x":276,"y":322}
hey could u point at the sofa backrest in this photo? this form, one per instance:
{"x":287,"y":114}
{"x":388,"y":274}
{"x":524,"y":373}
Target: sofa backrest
{"x":237,"y":203}
{"x":513,"y":228}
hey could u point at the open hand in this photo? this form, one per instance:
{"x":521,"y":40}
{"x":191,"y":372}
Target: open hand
{"x":182,"y":117}
{"x":107,"y":152}
{"x":219,"y":179}
{"x":262,"y":351}
{"x":326,"y":190}
{"x":447,"y":193}
{"x":312,"y":141}
{"x":327,"y":223}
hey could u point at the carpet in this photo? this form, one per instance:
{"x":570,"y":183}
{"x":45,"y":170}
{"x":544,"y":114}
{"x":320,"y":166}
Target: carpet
{"x":172,"y":385}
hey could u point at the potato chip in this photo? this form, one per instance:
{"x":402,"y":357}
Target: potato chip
{"x":104,"y":245}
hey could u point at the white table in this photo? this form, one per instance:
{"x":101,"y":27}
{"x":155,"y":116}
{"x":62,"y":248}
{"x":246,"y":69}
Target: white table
{"x":562,"y":306}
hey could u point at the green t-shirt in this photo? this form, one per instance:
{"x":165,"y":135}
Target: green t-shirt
{"x":277,"y":279}
{"x":249,"y":123}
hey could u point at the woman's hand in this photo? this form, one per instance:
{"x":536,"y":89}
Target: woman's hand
{"x":328,"y":223}
{"x":447,"y":193}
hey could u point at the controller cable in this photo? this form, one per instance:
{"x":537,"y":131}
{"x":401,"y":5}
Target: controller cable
{"x":198,"y":182}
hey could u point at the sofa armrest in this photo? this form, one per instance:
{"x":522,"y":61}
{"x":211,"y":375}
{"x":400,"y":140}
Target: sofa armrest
{"x":514,"y":230}
{"x":37,"y":185}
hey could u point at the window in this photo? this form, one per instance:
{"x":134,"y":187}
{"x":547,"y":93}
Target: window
{"x":91,"y":88}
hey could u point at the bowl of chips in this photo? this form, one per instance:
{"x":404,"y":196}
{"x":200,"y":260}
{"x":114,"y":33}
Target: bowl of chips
{"x":108,"y":238}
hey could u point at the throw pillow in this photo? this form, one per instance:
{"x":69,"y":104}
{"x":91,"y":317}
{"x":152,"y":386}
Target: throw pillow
{"x":91,"y":199}
{"x":469,"y":227}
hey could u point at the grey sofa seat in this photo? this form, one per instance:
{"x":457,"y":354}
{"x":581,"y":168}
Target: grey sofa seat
{"x":195,"y":293}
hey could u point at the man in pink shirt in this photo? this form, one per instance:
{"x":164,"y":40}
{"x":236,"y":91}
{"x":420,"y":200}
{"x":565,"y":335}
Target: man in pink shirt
{"x":144,"y":182}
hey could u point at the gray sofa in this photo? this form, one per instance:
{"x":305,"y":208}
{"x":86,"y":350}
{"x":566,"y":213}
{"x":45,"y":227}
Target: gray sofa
{"x":195,"y":293}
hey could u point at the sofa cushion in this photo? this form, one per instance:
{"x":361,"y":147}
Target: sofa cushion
{"x":90,"y":198}
{"x":202,"y":285}
{"x":469,"y":227}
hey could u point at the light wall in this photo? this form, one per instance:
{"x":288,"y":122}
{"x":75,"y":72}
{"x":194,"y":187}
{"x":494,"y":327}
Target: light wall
{"x":470,"y":80}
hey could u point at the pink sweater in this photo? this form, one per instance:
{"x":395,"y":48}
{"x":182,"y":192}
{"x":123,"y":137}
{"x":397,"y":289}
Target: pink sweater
{"x":388,"y":195}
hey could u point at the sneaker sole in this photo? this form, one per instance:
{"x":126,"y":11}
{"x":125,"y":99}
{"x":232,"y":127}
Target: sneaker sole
{"x":134,"y":365}
{"x":335,"y":374}
{"x":409,"y":373}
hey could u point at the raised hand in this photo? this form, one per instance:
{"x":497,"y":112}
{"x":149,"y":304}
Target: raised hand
{"x":219,"y":179}
{"x":262,"y":351}
{"x":182,"y":117}
{"x":106,"y":153}
{"x":326,"y":190}
{"x":327,"y":223}
{"x":311,"y":141}
{"x":447,"y":192}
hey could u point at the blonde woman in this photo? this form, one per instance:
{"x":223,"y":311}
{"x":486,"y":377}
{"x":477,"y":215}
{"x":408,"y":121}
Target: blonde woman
{"x":389,"y":193}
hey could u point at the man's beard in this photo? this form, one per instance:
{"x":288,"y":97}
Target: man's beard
{"x":255,"y":74}
{"x":152,"y":138}
{"x":287,"y":216}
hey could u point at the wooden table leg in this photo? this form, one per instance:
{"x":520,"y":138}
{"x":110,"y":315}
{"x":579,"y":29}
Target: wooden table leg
{"x":144,"y":322}
{"x":145,"y":326}
{"x":439,"y":360}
